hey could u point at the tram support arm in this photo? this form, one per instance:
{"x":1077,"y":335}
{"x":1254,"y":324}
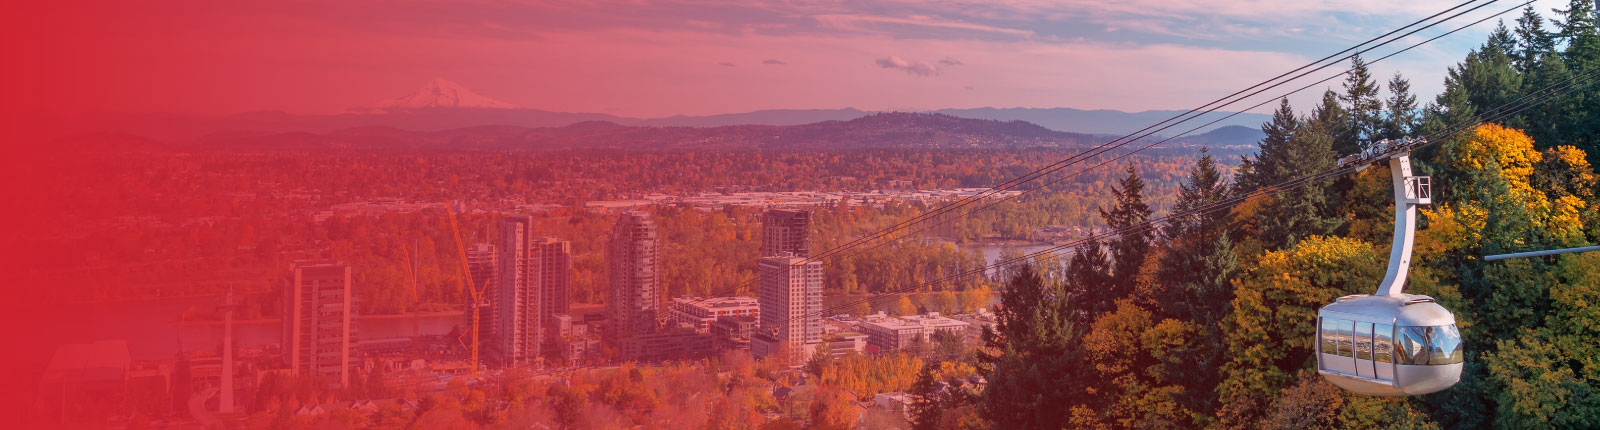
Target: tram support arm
{"x":1540,"y":253}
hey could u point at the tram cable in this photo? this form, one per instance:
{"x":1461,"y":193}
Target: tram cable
{"x":886,"y":233}
{"x":1506,"y":110}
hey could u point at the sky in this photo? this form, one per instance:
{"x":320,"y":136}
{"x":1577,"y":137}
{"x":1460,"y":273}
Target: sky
{"x":648,"y":58}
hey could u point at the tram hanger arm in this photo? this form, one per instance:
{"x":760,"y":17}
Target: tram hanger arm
{"x":1540,"y":253}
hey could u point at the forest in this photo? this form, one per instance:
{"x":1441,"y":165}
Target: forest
{"x":1211,"y":322}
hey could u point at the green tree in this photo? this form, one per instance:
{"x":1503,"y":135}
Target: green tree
{"x":1400,"y":117}
{"x":1089,"y":282}
{"x":1035,"y":377}
{"x":1132,"y":244}
{"x":1533,"y":41}
{"x":1364,"y":110}
{"x":1270,"y":332}
{"x":1196,"y":269}
{"x":1577,"y":28}
{"x":1272,"y":159}
{"x":1297,"y":213}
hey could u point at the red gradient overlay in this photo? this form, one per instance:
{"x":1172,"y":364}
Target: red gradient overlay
{"x":68,"y":61}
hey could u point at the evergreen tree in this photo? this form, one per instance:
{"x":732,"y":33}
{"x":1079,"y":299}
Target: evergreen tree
{"x":1487,"y":77}
{"x":1034,"y":370}
{"x":924,"y":404}
{"x":1268,"y":166}
{"x":1550,"y":122}
{"x":1307,"y":210}
{"x":820,"y":360}
{"x":1363,"y":109}
{"x":1197,"y":269}
{"x":1334,"y":120}
{"x":1577,"y":22}
{"x":1532,"y":40}
{"x":1501,"y":40}
{"x":1580,"y":125}
{"x":1089,"y":280}
{"x":1401,"y":116}
{"x":1130,"y":247}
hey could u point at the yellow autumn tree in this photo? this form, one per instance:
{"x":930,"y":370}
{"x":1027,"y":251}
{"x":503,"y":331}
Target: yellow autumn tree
{"x":1489,"y":148}
{"x":1271,"y":330}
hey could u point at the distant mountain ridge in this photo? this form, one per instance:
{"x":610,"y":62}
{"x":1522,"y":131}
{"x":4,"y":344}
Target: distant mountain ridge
{"x":441,"y":104}
{"x":180,"y":128}
{"x":876,"y":131}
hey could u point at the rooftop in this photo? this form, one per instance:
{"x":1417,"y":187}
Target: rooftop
{"x":931,"y":320}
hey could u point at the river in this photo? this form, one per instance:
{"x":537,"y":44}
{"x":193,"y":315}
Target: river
{"x":991,"y":252}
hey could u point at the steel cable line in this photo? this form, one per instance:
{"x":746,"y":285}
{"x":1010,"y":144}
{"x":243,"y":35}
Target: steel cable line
{"x":1146,"y":132}
{"x":1192,"y":130}
{"x":944,"y":211}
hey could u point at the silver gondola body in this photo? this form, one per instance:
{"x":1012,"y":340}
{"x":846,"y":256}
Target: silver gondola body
{"x":1392,"y":343}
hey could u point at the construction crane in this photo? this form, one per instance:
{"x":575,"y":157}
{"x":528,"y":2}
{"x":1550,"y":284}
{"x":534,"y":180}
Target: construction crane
{"x":475,"y":293}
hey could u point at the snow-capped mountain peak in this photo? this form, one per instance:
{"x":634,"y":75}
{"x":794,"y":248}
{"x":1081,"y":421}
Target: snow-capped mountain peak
{"x":441,"y":93}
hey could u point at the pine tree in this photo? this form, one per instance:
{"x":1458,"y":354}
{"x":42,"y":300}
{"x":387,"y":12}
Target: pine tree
{"x":1578,"y":30}
{"x":1267,"y":168}
{"x":1089,"y":280}
{"x":1334,"y":120}
{"x":1363,"y":109}
{"x":1532,"y":40}
{"x":924,"y":405}
{"x":1034,"y":370}
{"x":1550,"y":122}
{"x":1299,"y":213}
{"x":1401,"y":116}
{"x":1197,"y":270}
{"x":1578,"y":22}
{"x":1501,"y":40}
{"x":1130,"y":247}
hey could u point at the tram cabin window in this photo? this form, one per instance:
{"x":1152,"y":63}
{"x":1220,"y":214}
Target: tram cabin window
{"x":1433,"y":345}
{"x":1383,"y":343}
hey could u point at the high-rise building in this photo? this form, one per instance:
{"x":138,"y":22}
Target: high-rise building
{"x":319,"y":320}
{"x":555,"y":275}
{"x":516,"y":294}
{"x":791,"y":301}
{"x":786,"y":231}
{"x":635,"y":276}
{"x":481,"y":269}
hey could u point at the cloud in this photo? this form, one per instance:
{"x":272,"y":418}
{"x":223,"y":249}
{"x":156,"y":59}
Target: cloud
{"x":917,"y":24}
{"x":774,"y":62}
{"x":916,"y":68}
{"x":727,"y":64}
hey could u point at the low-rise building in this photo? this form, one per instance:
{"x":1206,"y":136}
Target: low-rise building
{"x":839,"y":344}
{"x":700,"y":312}
{"x":975,"y":324}
{"x":731,"y":333}
{"x":680,"y":344}
{"x":894,"y":333}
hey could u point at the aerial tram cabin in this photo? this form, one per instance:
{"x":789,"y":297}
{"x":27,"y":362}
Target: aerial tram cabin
{"x":1391,"y":343}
